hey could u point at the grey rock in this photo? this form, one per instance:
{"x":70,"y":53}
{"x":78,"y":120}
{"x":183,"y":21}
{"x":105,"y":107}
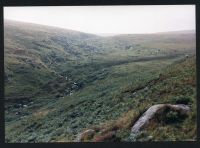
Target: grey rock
{"x":153,"y":110}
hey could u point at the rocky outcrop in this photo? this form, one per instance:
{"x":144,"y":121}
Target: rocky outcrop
{"x":143,"y":121}
{"x":155,"y":110}
{"x":86,"y":134}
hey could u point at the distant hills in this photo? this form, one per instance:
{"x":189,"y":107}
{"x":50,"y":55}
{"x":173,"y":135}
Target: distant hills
{"x":179,"y":32}
{"x":169,"y":32}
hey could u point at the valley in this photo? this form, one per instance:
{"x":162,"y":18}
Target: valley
{"x":59,"y":83}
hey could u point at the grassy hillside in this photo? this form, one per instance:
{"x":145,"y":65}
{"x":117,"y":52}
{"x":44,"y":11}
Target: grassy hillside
{"x":176,"y":85}
{"x":46,"y":52}
{"x":91,"y":107}
{"x":32,"y":53}
{"x":60,"y":82}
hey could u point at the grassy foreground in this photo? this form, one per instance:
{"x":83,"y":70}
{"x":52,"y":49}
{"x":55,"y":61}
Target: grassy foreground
{"x":117,"y":113}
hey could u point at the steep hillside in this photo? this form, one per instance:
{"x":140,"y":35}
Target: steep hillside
{"x":176,"y":84}
{"x":60,"y":82}
{"x":32,"y":53}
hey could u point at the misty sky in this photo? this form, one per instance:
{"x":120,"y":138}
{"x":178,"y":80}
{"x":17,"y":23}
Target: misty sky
{"x":109,"y":19}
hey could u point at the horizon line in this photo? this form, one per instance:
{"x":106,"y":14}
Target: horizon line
{"x":102,"y":34}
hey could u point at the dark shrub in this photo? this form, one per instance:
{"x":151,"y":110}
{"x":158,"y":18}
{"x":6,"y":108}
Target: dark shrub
{"x":171,"y":117}
{"x":182,"y":100}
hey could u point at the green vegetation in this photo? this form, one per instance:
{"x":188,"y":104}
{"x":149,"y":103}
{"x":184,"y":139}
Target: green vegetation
{"x":61,"y":82}
{"x":171,"y":126}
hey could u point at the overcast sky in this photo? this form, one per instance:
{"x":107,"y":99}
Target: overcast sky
{"x":109,"y":19}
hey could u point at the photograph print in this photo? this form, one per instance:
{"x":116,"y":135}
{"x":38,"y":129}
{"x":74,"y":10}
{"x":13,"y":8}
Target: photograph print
{"x":100,"y":73}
